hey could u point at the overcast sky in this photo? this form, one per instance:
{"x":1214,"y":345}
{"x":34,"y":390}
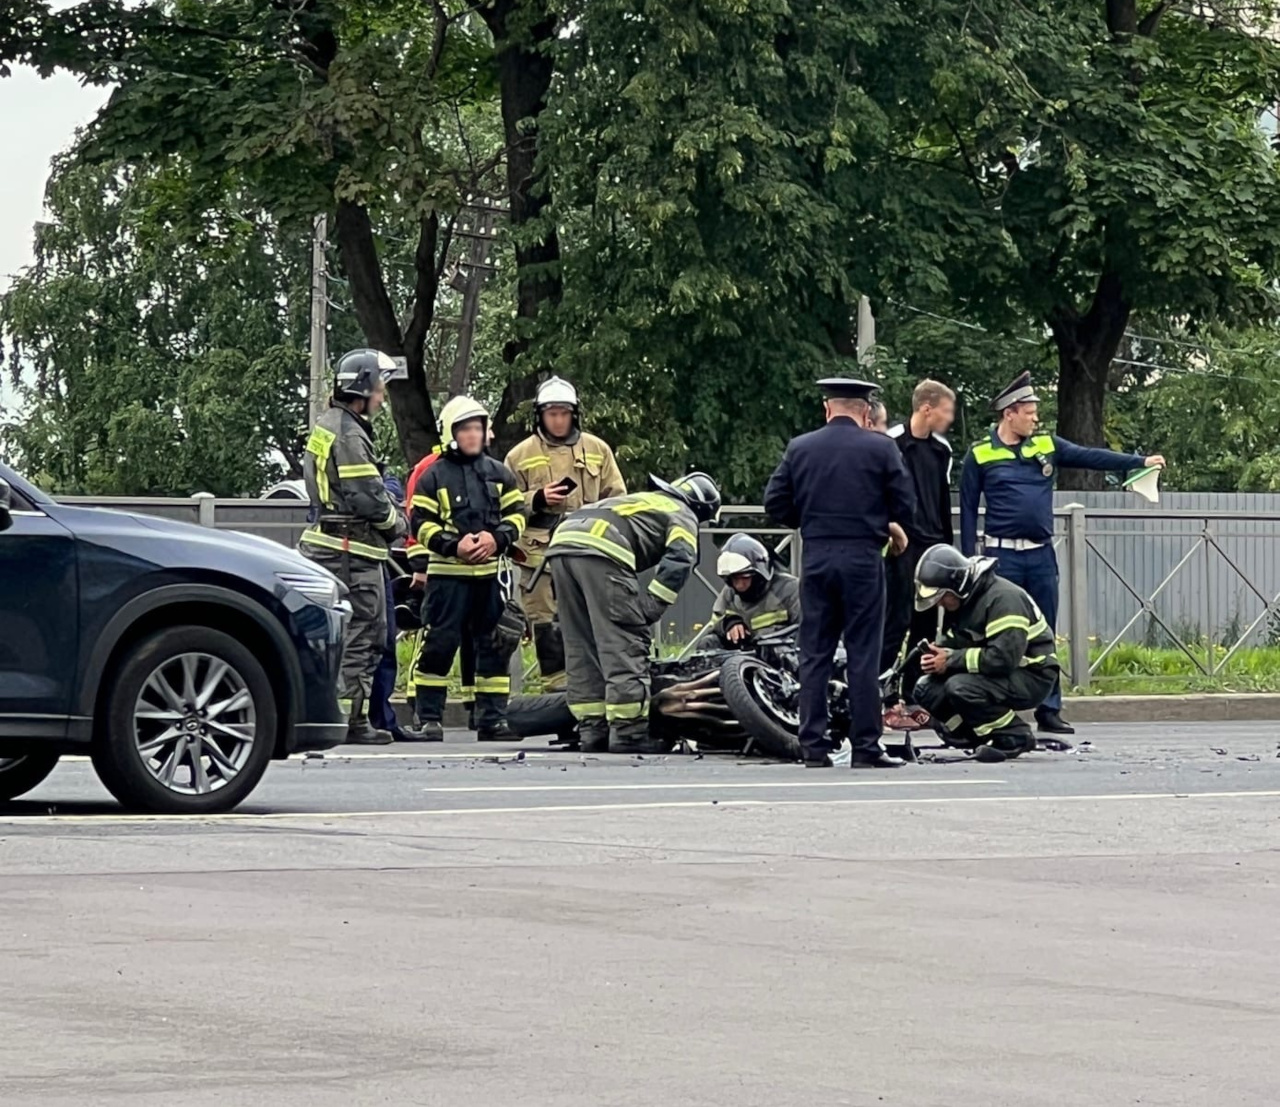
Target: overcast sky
{"x":37,"y":119}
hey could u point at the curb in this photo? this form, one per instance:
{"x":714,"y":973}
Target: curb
{"x":1194,"y":708}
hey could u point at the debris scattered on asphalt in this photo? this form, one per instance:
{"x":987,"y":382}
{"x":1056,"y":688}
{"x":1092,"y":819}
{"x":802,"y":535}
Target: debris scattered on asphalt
{"x":1218,"y":751}
{"x":312,"y":755}
{"x":1249,"y":757}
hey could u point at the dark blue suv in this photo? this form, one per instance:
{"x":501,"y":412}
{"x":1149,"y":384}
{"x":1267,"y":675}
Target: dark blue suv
{"x":180,"y":658}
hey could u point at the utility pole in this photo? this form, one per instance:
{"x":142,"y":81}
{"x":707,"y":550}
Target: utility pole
{"x":469,"y":279}
{"x":866,"y":332}
{"x":318,"y":389}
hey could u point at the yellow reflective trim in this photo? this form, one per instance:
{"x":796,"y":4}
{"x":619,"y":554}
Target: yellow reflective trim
{"x":614,"y":711}
{"x":321,"y":442}
{"x":639,"y":502}
{"x":665,"y":594}
{"x":592,"y":710}
{"x":515,"y":496}
{"x":493,"y":686}
{"x":1007,"y":622}
{"x":467,"y":690}
{"x":596,"y":459}
{"x":533,"y":463}
{"x":972,"y":659}
{"x":679,"y":534}
{"x":620,"y":554}
{"x":599,"y":527}
{"x":1038,"y":660}
{"x":313,"y":536}
{"x":440,"y":566}
{"x":518,"y":521}
{"x":425,"y":680}
{"x":354,"y":472}
{"x":1036,"y":629}
{"x":428,"y":531}
{"x":984,"y":453}
{"x":429,"y":502}
{"x":390,"y":520}
{"x":986,"y":728}
{"x":1037,"y":444}
{"x":769,"y":619}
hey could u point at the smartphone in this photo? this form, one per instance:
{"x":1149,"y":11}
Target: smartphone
{"x":568,"y":484}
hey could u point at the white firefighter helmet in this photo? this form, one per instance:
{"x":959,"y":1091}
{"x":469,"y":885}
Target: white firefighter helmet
{"x":555,"y":390}
{"x":744,"y":554}
{"x":461,"y":409}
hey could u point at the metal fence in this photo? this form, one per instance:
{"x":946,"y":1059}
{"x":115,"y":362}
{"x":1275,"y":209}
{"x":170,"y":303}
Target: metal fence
{"x":1199,"y":573}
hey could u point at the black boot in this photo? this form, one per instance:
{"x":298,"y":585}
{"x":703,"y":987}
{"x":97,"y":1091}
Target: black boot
{"x":426,"y":732}
{"x":361,"y":732}
{"x":498,"y":732}
{"x":593,"y":736}
{"x":633,"y":737}
{"x":1050,"y":721}
{"x":491,"y":719}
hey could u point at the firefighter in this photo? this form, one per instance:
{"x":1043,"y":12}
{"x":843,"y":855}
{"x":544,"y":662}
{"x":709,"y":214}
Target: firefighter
{"x":596,"y":555}
{"x":356,"y":521}
{"x":559,"y":468}
{"x":996,"y":656}
{"x":755,"y":597}
{"x":468,"y":513}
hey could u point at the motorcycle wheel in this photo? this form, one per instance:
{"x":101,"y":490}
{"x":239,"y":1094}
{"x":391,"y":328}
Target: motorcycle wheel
{"x":754,"y":693}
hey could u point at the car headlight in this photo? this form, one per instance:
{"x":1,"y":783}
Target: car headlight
{"x":324,"y":590}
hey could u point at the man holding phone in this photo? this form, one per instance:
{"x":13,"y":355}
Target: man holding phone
{"x":559,"y":468}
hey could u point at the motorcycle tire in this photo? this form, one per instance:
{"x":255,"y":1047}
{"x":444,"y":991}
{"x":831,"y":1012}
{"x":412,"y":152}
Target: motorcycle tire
{"x":538,"y":716}
{"x":771,"y":735}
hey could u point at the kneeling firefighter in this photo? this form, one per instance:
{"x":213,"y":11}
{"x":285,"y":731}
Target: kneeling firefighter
{"x":996,"y":658}
{"x":559,"y":468}
{"x":467,"y":513}
{"x":596,"y":555}
{"x":356,"y":521}
{"x":755,"y":597}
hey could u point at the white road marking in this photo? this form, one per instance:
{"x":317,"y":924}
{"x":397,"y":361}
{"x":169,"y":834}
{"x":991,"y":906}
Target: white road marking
{"x":717,"y":787}
{"x":706,"y":805}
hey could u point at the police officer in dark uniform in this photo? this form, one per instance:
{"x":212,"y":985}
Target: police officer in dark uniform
{"x":842,"y":486}
{"x":1013,"y":469}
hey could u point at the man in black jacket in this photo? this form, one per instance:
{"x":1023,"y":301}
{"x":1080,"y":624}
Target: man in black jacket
{"x":842,"y":486}
{"x":927,"y":455}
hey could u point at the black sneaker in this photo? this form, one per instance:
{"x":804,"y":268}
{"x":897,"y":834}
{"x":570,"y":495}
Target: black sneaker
{"x":427,"y":732}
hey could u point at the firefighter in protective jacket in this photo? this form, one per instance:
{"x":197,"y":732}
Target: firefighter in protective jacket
{"x":356,"y":521}
{"x":467,"y":513}
{"x":596,"y":555}
{"x":559,"y":468}
{"x":997,"y":655}
{"x":755,"y":599}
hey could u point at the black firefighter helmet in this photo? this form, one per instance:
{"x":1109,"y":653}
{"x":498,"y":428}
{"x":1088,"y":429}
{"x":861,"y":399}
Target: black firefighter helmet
{"x":943,"y":569}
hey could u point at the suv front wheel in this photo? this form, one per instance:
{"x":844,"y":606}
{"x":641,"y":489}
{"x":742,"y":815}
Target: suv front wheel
{"x":189,"y":726}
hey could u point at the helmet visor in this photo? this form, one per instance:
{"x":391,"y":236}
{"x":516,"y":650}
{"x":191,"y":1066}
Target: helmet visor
{"x":929,"y":597}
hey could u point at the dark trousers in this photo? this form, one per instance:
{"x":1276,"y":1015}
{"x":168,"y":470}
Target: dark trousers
{"x":381,"y":713}
{"x":985,"y":704}
{"x":1036,"y":571}
{"x":841,"y":596}
{"x":901,"y":619}
{"x":462,"y":612}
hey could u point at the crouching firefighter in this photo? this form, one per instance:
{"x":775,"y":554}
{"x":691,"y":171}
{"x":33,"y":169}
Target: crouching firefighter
{"x":755,"y":598}
{"x":467,"y":513}
{"x":356,"y":521}
{"x":596,"y":555}
{"x":559,"y":468}
{"x":996,"y":657}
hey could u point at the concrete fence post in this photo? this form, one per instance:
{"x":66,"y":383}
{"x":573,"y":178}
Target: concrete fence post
{"x":206,"y":513}
{"x":1078,"y":593}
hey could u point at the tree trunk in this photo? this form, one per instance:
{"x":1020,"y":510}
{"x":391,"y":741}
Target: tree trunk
{"x":1086,"y":344}
{"x":525,"y":69}
{"x":410,"y":401}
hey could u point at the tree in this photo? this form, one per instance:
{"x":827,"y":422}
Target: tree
{"x":356,"y":109}
{"x":157,"y":345}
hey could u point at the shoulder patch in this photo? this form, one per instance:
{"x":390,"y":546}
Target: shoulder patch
{"x":897,"y":431}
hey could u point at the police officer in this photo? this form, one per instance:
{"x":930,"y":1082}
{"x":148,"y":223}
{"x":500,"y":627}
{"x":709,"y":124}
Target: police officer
{"x":755,"y":597}
{"x":996,"y":655}
{"x":595,"y":556}
{"x":356,"y":520}
{"x":842,"y":486}
{"x":467,"y":512}
{"x":1013,"y":468}
{"x":559,"y":468}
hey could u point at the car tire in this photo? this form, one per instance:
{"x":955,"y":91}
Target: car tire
{"x":737,"y":686}
{"x":19,"y":775}
{"x":215,"y":760}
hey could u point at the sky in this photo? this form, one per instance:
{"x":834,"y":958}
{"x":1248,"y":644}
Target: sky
{"x":38,"y":118}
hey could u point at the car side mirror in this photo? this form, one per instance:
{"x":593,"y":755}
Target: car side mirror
{"x":6,"y":501}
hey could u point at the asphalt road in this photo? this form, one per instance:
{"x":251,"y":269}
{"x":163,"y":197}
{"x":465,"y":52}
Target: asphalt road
{"x":449,"y":925}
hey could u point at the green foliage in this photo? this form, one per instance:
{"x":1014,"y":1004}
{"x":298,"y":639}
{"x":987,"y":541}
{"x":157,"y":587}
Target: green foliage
{"x":157,"y":346}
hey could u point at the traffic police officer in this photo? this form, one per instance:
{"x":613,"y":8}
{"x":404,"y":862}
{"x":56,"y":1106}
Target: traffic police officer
{"x":595,"y":556}
{"x":997,"y":654}
{"x":559,"y":468}
{"x":755,"y":598}
{"x":467,"y":512}
{"x":356,"y":520}
{"x":1013,"y":469}
{"x":842,"y":486}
